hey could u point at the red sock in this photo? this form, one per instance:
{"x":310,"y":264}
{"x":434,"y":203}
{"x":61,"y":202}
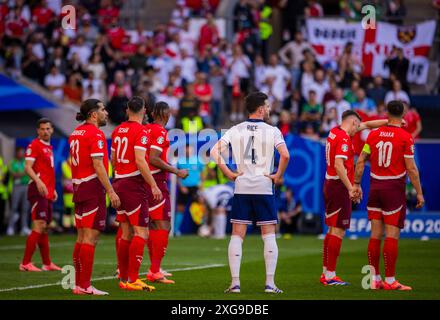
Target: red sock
{"x":390,"y":256}
{"x":76,"y":263}
{"x":118,"y":238}
{"x":334,"y":247}
{"x":159,"y":241}
{"x":86,"y":256}
{"x":136,"y":255}
{"x":374,"y":254}
{"x":31,"y":245}
{"x":325,"y":251}
{"x":43,"y":243}
{"x":150,"y":248}
{"x":123,"y":255}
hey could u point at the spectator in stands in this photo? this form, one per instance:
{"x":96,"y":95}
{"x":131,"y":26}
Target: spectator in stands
{"x":291,"y":54}
{"x":187,"y":39}
{"x":82,"y":49}
{"x":349,"y":66}
{"x":209,"y":33}
{"x":58,"y":59}
{"x":243,"y":18}
{"x":339,"y":104}
{"x":120,"y":82}
{"x":206,"y":59}
{"x":54,"y":82}
{"x":203,"y":92}
{"x":180,"y":13}
{"x":307,"y":78}
{"x":350,"y":94}
{"x":188,"y":104}
{"x":217,"y":82}
{"x":292,"y":104}
{"x":289,"y":211}
{"x":96,"y":67}
{"x":89,"y":31}
{"x":117,"y":105}
{"x":169,"y":97}
{"x":73,"y":89}
{"x":398,"y":66}
{"x":189,"y":66}
{"x":376,"y":90}
{"x":97,"y":85}
{"x":43,"y":16}
{"x":396,"y":11}
{"x":413,"y":121}
{"x":311,"y":112}
{"x":31,"y":66}
{"x":19,"y":202}
{"x":285,"y":123}
{"x":238,"y":80}
{"x":363,"y":103}
{"x":107,"y":13}
{"x":319,"y":85}
{"x":351,"y":9}
{"x":397,"y":93}
{"x":281,"y":79}
{"x":329,"y":121}
{"x":313,"y":9}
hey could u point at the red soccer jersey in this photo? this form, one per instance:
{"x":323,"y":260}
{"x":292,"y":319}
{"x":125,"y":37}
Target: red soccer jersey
{"x":158,"y":139}
{"x":127,"y":137}
{"x":41,"y":153}
{"x":388,"y":147}
{"x":339,"y":145}
{"x":411,"y":118}
{"x":86,"y":142}
{"x":42,"y":15}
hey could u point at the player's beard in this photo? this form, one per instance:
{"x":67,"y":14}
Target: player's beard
{"x":102,"y":122}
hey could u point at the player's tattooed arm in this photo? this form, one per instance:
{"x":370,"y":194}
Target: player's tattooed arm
{"x":216,"y":154}
{"x":373,"y":124}
{"x":155,"y":160}
{"x":359,"y":171}
{"x":98,"y":165}
{"x":41,"y":187}
{"x":414,"y":177}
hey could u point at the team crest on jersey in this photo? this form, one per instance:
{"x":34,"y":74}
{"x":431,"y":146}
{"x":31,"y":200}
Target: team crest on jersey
{"x":344,"y":147}
{"x":144,"y":140}
{"x":160,"y":140}
{"x":100,"y":144}
{"x":29,"y":151}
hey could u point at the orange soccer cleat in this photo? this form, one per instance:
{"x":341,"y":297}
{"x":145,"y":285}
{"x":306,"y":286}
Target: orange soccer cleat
{"x":158,"y":277}
{"x":322,"y":279}
{"x":377,"y":285}
{"x":396,"y":286}
{"x":29,"y":267}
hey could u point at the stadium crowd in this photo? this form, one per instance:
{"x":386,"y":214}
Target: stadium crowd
{"x":203,"y":77}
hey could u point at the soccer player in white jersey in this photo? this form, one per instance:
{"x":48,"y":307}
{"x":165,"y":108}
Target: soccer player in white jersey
{"x":253,"y":143}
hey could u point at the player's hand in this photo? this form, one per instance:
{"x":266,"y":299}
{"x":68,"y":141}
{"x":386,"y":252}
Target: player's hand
{"x":420,"y":201}
{"x":114,"y":200}
{"x":157,"y":194}
{"x":182,"y":173}
{"x":233,"y":175}
{"x":41,"y":187}
{"x":275,"y":178}
{"x":55,"y":196}
{"x":358,"y":192}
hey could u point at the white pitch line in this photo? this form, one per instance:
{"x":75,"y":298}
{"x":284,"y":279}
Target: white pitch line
{"x":208,"y":266}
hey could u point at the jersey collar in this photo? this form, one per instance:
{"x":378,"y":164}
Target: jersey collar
{"x":44,"y":142}
{"x":255,"y":120}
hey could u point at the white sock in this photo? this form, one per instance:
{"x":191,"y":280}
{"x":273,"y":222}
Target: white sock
{"x":377,"y":278}
{"x":390,"y":280}
{"x":330,"y":274}
{"x":324,"y":270}
{"x":270,"y":257}
{"x":219,"y":224}
{"x":234,"y":255}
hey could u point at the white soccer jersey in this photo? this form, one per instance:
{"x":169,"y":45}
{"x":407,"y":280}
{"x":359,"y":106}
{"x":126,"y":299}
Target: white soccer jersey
{"x":253,"y":144}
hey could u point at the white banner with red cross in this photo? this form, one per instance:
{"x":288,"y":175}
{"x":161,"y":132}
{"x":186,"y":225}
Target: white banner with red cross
{"x":372,"y":46}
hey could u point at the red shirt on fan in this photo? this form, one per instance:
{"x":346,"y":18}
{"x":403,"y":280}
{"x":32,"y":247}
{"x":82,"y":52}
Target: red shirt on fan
{"x":86,"y":142}
{"x":127,"y":137}
{"x":42,"y":16}
{"x":388,"y":147}
{"x":41,"y":153}
{"x":116,"y":36}
{"x":201,"y":90}
{"x":158,"y":139}
{"x":339,"y":145}
{"x":106,"y":15}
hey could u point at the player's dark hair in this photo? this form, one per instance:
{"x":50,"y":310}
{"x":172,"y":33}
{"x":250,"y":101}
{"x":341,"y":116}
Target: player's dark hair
{"x":86,"y":109}
{"x":349,"y":113}
{"x":136,"y":104}
{"x":395,"y":108}
{"x":158,"y":110}
{"x":255,"y":100}
{"x":43,"y":121}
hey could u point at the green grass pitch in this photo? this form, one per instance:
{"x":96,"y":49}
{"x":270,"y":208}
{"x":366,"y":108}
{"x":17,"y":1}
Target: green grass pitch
{"x":201,"y":270}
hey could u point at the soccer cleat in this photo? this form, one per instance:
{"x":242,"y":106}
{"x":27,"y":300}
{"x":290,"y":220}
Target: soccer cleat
{"x":158,"y":277}
{"x":51,"y":267}
{"x":139,"y":285}
{"x":234,"y":289}
{"x":76,"y":290}
{"x":322,"y":279}
{"x":336,"y":281}
{"x":275,"y":290}
{"x":123,"y":285}
{"x":376,"y":285}
{"x":29,"y":267}
{"x":92,"y":291}
{"x":396,"y":286}
{"x":165,"y":273}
